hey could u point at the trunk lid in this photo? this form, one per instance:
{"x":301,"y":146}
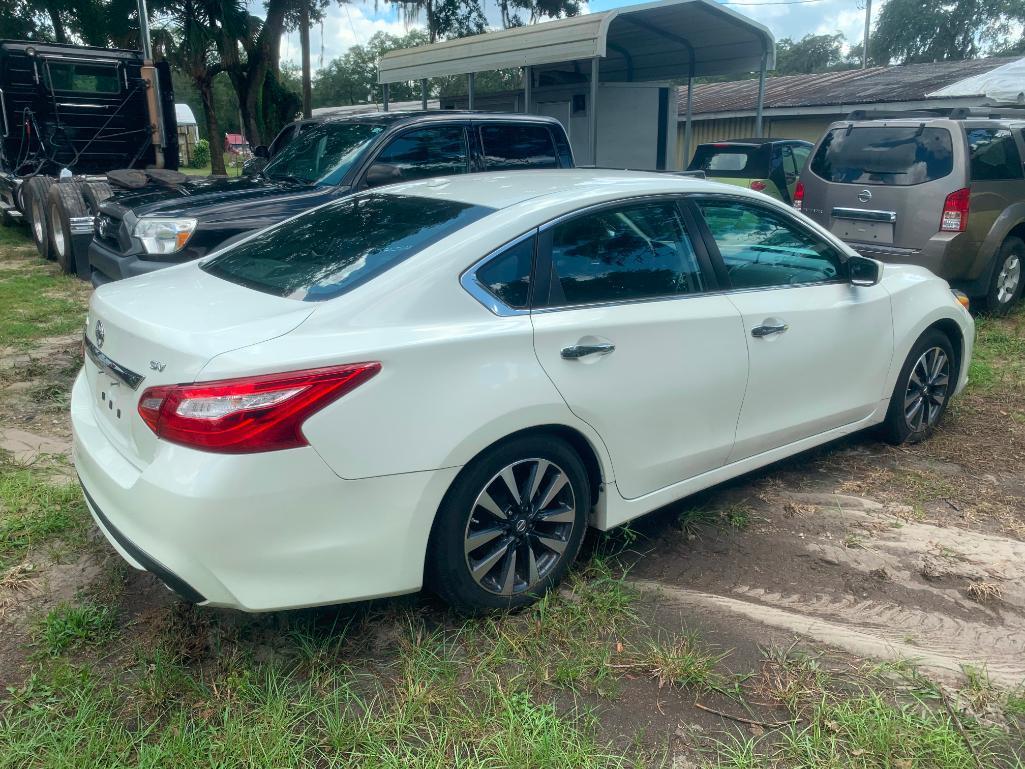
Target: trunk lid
{"x":162,"y":329}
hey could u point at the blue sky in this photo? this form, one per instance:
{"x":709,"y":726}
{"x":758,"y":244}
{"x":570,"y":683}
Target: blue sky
{"x":355,"y":22}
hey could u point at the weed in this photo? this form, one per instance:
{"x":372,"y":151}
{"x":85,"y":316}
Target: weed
{"x":33,"y":510}
{"x":69,"y":627}
{"x":682,"y":661}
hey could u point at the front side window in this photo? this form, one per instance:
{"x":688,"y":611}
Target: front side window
{"x":341,"y":245}
{"x":994,"y":154}
{"x":323,"y":154}
{"x":635,"y":251}
{"x":513,"y":146}
{"x":427,"y":152}
{"x":762,"y":249}
{"x":507,"y":276}
{"x":898,"y":156}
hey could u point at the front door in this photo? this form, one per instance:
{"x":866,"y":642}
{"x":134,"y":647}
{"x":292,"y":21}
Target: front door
{"x":636,"y":343}
{"x":819,"y":348}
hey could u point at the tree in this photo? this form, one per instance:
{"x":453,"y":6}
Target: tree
{"x":352,"y":78}
{"x":812,"y":53}
{"x":923,"y":30}
{"x":513,"y":11}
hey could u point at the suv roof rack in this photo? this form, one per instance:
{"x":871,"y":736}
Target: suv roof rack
{"x":952,"y":113}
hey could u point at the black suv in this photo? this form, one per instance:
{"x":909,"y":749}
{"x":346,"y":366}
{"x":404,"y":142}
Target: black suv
{"x":143,"y":231}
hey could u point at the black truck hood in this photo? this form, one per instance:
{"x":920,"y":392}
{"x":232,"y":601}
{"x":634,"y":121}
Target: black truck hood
{"x":230,"y":200}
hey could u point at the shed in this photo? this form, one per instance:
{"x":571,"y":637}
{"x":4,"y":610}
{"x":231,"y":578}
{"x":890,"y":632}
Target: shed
{"x":802,"y":106}
{"x":621,"y":62}
{"x":188,"y":132}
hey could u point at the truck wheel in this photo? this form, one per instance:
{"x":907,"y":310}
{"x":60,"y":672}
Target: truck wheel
{"x":95,"y":193}
{"x":65,"y":201}
{"x":36,"y":204}
{"x":1006,"y":284}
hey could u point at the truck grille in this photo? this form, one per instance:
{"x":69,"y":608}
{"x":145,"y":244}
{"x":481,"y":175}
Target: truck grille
{"x":107,"y":229}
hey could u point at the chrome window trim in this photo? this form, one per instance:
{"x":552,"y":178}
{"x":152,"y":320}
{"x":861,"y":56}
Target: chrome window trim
{"x":3,"y":111}
{"x":106,"y":364}
{"x":862,"y":214}
{"x":468,"y":280}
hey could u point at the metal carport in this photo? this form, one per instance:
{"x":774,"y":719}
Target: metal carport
{"x":669,"y":40}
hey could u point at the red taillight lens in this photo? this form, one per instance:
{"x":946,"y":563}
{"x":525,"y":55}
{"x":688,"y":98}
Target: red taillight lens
{"x":240,"y":416}
{"x":955,"y":211}
{"x":758,"y":185}
{"x":799,"y":196}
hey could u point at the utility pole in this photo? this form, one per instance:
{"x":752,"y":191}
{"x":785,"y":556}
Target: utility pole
{"x":304,"y":43}
{"x":868,"y":32}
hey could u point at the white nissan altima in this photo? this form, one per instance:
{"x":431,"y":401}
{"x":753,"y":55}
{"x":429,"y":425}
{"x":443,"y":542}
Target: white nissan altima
{"x":445,"y":382}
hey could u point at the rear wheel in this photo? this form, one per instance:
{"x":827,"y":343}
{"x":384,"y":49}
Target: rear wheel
{"x":1006,"y":285}
{"x":923,"y":389}
{"x":510,"y":526}
{"x":65,"y":202}
{"x":36,"y":202}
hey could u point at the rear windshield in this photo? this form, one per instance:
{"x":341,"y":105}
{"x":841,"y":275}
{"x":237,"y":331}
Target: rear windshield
{"x":341,"y":245}
{"x":731,"y":161}
{"x":893,"y":155}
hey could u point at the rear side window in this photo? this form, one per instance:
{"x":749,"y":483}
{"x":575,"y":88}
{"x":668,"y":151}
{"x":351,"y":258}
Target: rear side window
{"x":636,"y":251}
{"x":513,"y":146}
{"x":898,"y":156}
{"x":81,"y":77}
{"x":994,"y":154}
{"x":731,"y":160}
{"x":341,"y":245}
{"x":507,"y":276}
{"x":562,"y":147}
{"x":427,"y":152}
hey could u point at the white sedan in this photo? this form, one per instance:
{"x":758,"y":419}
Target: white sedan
{"x":445,"y":382}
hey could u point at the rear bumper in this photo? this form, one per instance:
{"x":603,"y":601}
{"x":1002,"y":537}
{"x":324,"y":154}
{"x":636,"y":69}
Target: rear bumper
{"x":256,"y":532}
{"x":948,"y":255}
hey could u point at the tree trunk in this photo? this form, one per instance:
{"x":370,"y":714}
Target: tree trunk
{"x":59,"y":33}
{"x":304,"y":39}
{"x":213,"y":129}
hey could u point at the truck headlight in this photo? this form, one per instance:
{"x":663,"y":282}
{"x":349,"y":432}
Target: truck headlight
{"x":164,"y":236}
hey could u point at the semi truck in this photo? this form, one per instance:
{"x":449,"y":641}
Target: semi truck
{"x":76,"y":124}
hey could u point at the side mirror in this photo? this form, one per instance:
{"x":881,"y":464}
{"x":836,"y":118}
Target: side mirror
{"x":863,"y":271}
{"x":253,"y":166}
{"x":382,"y":173}
{"x":261,"y":152}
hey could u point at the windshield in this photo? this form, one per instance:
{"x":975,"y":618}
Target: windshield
{"x":323,"y":153}
{"x":898,"y":156}
{"x":340,"y":245}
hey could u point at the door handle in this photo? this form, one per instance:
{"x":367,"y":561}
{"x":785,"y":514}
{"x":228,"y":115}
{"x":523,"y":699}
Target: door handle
{"x":760,"y":331}
{"x":578,"y":351}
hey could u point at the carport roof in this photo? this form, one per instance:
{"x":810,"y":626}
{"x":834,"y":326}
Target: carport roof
{"x":651,"y":42}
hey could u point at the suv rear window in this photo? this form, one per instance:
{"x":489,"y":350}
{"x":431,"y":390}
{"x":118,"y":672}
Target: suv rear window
{"x":732,"y":160}
{"x":514,"y":146}
{"x":898,"y":156}
{"x":341,"y":245}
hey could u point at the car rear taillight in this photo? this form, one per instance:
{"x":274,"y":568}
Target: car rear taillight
{"x":799,"y":196}
{"x":758,"y":185}
{"x":955,"y":211}
{"x":240,"y":416}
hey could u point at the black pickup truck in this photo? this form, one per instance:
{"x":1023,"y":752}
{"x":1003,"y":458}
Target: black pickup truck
{"x":140,"y":232}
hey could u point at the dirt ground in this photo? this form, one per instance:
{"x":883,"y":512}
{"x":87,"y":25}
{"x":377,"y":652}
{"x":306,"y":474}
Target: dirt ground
{"x":854,"y":552}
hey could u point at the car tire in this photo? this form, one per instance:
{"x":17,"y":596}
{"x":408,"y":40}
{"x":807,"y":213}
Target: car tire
{"x":923,"y":390}
{"x":479,"y":561}
{"x":95,"y":193}
{"x":65,"y":199}
{"x":1005,"y":286}
{"x":36,"y":205}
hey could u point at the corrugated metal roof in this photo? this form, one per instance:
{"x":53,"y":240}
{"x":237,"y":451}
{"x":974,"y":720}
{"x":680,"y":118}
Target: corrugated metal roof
{"x":655,"y":41}
{"x":875,"y":85}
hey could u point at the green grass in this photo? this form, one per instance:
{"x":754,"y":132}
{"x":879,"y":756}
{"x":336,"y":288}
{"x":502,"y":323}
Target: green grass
{"x":35,"y":302}
{"x":233,"y":170}
{"x":70,"y":627}
{"x":33,"y":510}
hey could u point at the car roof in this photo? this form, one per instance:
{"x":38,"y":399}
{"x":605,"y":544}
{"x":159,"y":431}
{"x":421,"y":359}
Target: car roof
{"x":753,"y":142}
{"x":410,"y":116}
{"x":503,"y":189}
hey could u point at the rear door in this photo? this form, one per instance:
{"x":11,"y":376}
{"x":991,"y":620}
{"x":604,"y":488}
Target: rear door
{"x":819,"y":348}
{"x":883,"y":185}
{"x":633,"y":334}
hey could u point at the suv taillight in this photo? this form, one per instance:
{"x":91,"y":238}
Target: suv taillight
{"x":955,"y":211}
{"x":799,"y":195}
{"x":241,"y":416}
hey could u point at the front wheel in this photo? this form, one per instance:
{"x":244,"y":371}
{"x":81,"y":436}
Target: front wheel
{"x":923,"y":389}
{"x":510,"y":526}
{"x":1006,"y":285}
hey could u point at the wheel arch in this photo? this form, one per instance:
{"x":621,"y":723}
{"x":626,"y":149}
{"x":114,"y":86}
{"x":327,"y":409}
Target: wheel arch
{"x":949,"y":328}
